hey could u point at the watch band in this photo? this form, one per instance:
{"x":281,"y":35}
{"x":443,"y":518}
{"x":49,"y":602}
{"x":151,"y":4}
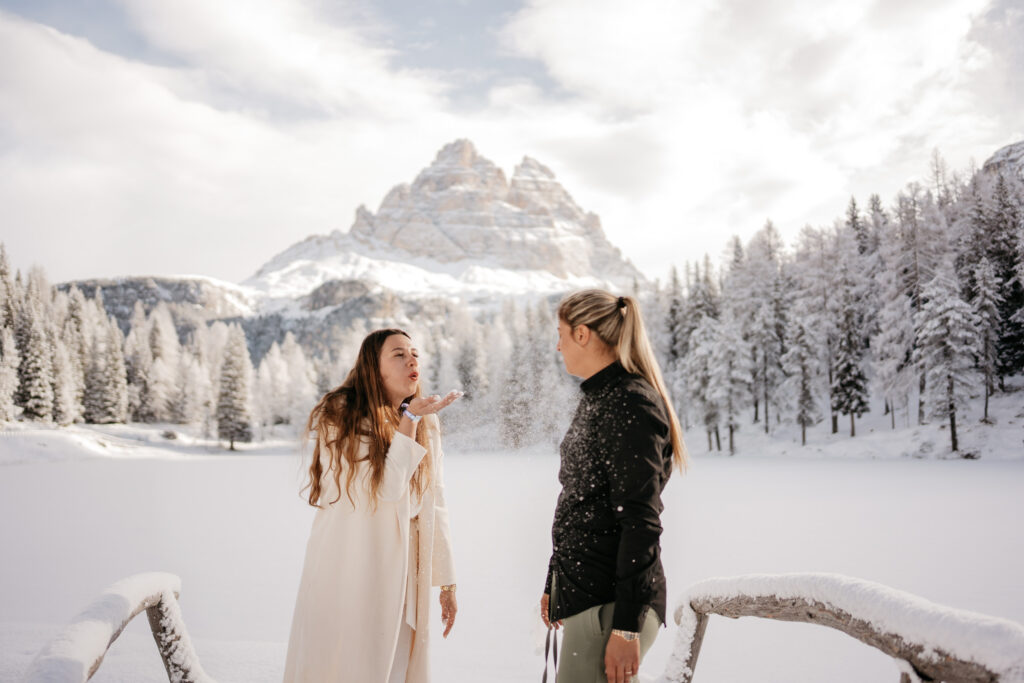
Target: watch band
{"x":408,"y":413}
{"x":625,"y":635}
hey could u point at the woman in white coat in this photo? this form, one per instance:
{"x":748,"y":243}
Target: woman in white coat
{"x":380,"y":537}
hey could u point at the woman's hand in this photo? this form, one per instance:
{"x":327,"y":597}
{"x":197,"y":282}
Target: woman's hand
{"x":449,"y":607}
{"x":621,"y":659}
{"x":425,"y":405}
{"x":544,"y":613}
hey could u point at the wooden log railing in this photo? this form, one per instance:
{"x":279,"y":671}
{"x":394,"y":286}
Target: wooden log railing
{"x":76,"y":653}
{"x":929,"y":642}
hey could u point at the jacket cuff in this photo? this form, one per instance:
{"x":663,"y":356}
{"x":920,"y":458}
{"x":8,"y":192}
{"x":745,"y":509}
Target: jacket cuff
{"x":629,"y":616}
{"x":406,"y":452}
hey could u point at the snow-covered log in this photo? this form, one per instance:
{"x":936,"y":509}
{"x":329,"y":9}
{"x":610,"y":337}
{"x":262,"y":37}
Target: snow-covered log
{"x":76,"y":653}
{"x":930,"y":642}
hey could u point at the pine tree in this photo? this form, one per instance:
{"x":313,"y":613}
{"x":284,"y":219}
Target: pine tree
{"x":849,"y":383}
{"x":1005,"y":224}
{"x":35,"y":374}
{"x":139,"y":367}
{"x":985,"y":305}
{"x":9,"y":362}
{"x":233,"y":416}
{"x":892,"y":345}
{"x":699,"y":368}
{"x":730,"y":376}
{"x":856,"y":225}
{"x":106,"y":394}
{"x":801,"y":367}
{"x":946,"y":347}
{"x":515,"y":404}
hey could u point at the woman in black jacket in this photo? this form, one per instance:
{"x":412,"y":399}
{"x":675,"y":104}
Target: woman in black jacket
{"x":605,"y":581}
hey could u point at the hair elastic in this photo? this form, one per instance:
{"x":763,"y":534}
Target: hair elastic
{"x":622,"y":302}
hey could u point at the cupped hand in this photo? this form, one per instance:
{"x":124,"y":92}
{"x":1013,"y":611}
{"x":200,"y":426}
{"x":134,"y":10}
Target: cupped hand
{"x":425,"y":405}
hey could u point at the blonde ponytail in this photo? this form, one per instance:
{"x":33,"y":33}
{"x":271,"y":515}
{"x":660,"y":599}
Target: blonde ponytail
{"x":617,"y":322}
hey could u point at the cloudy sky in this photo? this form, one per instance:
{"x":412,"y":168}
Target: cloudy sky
{"x":197,"y":137}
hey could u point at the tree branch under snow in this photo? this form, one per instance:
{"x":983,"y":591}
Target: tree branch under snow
{"x":76,"y":653}
{"x":929,"y":641}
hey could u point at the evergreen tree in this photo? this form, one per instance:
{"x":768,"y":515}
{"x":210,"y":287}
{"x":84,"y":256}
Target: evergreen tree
{"x":106,"y":393}
{"x":9,"y":362}
{"x":699,"y":368}
{"x":233,"y":416}
{"x":800,"y":364}
{"x":856,"y":225}
{"x":35,"y":374}
{"x":139,"y":367}
{"x":1005,"y":226}
{"x":515,"y":404}
{"x":946,"y":347}
{"x":893,"y":343}
{"x":730,"y":376}
{"x":849,"y":383}
{"x":985,"y":305}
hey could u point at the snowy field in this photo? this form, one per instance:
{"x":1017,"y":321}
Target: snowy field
{"x":84,"y":507}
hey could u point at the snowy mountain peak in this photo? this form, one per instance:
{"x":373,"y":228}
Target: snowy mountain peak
{"x":1009,"y":159}
{"x":466,"y":230}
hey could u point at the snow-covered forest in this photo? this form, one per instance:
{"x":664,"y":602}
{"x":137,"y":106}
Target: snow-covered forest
{"x":918,"y":304}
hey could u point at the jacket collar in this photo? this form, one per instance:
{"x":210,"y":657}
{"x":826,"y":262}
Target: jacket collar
{"x":602,"y":378}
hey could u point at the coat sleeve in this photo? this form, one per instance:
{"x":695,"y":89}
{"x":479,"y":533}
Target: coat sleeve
{"x":443,"y":572}
{"x":402,"y":459}
{"x":635,"y":488}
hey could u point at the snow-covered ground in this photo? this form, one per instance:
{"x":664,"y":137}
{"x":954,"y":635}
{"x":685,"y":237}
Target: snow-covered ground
{"x":85,"y":506}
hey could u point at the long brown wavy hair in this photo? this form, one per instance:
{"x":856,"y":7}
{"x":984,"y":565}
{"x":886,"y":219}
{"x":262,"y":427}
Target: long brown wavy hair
{"x":621,"y":327}
{"x":355,"y":411}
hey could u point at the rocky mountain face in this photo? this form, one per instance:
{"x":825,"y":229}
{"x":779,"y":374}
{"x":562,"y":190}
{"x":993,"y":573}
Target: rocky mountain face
{"x":192,"y":301}
{"x":1008,"y":160}
{"x":464,"y":228}
{"x":459,"y":231}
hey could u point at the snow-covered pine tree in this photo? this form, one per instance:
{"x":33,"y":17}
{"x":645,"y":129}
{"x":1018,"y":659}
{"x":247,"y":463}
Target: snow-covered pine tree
{"x":730,"y":373}
{"x":893,"y":343}
{"x":9,"y":362}
{"x":858,"y":227}
{"x":165,"y":348}
{"x":66,"y":408}
{"x":985,"y":305}
{"x":920,"y":234}
{"x":677,"y":333}
{"x":106,"y":392}
{"x":699,"y":364}
{"x":1005,"y":225}
{"x":301,"y":383}
{"x":74,"y":333}
{"x":849,"y":382}
{"x":516,"y":396}
{"x":946,"y":347}
{"x":139,"y":366}
{"x":9,"y":294}
{"x":234,"y":422}
{"x":35,"y":374}
{"x":801,"y":365}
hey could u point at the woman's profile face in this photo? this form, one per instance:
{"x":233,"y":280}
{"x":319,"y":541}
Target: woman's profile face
{"x":399,"y":367}
{"x":567,"y":346}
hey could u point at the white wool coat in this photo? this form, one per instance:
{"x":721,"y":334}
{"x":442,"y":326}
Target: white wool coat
{"x":352,"y":594}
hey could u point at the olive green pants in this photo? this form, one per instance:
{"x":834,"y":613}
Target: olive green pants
{"x":584,"y":637}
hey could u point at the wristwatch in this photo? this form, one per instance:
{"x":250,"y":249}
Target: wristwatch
{"x":408,"y":413}
{"x":450,"y":588}
{"x":625,"y":635}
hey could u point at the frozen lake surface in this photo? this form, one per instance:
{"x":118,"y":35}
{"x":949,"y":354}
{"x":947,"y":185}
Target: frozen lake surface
{"x":234,"y":529}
